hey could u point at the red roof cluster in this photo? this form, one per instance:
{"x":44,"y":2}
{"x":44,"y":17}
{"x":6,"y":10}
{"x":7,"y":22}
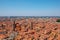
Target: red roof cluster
{"x":29,"y":29}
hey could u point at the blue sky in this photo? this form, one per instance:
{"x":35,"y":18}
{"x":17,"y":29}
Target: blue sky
{"x":29,"y":7}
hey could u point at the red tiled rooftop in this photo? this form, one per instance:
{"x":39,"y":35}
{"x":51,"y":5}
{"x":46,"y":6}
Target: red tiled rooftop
{"x":30,"y":29}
